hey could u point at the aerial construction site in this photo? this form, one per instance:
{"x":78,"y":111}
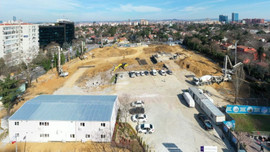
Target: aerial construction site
{"x":156,"y":74}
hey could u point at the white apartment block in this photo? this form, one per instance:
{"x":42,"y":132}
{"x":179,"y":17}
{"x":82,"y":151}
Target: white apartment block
{"x":18,"y":42}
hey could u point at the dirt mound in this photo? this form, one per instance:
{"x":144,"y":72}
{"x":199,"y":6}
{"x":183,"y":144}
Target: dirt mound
{"x":113,"y":52}
{"x":199,"y":65}
{"x":161,"y":48}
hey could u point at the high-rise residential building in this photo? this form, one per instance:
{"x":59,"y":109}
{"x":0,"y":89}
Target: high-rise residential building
{"x":18,"y":42}
{"x":253,"y":21}
{"x":60,"y":32}
{"x":235,"y":17}
{"x":144,"y":22}
{"x":223,"y":18}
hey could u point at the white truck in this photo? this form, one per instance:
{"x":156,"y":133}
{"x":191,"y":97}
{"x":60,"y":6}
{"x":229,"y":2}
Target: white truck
{"x":207,"y":106}
{"x":189,"y":99}
{"x":207,"y":80}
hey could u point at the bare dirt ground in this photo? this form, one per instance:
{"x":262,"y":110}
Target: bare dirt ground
{"x":97,"y":80}
{"x":62,"y":147}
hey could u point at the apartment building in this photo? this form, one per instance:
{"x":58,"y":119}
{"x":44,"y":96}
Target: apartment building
{"x":18,"y":42}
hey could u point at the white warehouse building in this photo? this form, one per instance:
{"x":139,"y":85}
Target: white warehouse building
{"x":18,"y":42}
{"x":65,"y":118}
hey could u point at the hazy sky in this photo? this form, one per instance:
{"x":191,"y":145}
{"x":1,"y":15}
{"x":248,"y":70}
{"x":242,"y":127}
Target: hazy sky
{"x":101,"y":10}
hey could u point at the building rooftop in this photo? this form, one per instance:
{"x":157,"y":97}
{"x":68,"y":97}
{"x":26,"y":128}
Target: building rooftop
{"x":67,"y":108}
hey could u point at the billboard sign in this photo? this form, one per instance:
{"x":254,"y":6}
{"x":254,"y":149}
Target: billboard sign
{"x":245,"y":109}
{"x":230,"y":124}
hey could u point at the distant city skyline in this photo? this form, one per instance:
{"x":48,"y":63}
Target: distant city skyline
{"x":120,"y":10}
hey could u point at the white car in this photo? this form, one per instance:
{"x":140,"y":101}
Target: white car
{"x":145,"y":128}
{"x":63,"y":74}
{"x":138,"y":73}
{"x":138,"y":103}
{"x":139,"y":118}
{"x":154,"y":72}
{"x":142,"y":73}
{"x":162,"y":72}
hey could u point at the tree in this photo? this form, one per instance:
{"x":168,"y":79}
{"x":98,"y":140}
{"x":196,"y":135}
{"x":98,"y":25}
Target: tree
{"x":62,"y":58}
{"x":66,"y":46}
{"x":3,"y":67}
{"x":9,"y":92}
{"x":260,"y":53}
{"x":125,"y":106}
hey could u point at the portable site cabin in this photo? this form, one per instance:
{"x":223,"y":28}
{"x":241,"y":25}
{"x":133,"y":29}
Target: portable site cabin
{"x":65,"y":118}
{"x":207,"y":106}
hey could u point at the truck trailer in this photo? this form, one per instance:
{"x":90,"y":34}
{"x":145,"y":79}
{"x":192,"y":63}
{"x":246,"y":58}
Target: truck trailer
{"x":207,"y":106}
{"x":189,"y":99}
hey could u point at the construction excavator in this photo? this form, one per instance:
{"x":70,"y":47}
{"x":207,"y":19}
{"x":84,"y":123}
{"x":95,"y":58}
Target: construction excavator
{"x":122,"y":65}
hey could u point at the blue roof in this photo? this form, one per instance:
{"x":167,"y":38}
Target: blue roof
{"x":67,"y":108}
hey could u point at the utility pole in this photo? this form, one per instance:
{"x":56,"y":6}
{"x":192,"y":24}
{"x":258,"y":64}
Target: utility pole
{"x":235,"y":53}
{"x":59,"y":60}
{"x":82,"y":48}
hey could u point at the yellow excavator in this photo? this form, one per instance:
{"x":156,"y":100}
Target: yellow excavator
{"x":122,"y":65}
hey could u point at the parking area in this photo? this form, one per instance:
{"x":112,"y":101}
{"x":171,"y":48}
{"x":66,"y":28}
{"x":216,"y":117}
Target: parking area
{"x":176,"y":125}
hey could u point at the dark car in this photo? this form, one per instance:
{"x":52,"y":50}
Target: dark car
{"x":136,"y":110}
{"x":206,"y":122}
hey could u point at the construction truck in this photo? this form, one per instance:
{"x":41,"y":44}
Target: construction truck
{"x":227,"y":74}
{"x":207,"y":80}
{"x":122,"y":65}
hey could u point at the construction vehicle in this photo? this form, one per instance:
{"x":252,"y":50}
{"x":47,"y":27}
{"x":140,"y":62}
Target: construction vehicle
{"x":207,"y":80}
{"x":122,"y":65}
{"x":227,"y":74}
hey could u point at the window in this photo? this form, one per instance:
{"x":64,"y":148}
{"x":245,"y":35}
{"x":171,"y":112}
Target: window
{"x":16,"y":123}
{"x":72,"y":135}
{"x":103,"y":136}
{"x":17,"y":134}
{"x":87,"y":136}
{"x":103,"y":124}
{"x":44,"y":123}
{"x":82,"y":124}
{"x":44,"y":135}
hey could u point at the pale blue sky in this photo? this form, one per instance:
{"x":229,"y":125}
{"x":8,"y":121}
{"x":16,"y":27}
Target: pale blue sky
{"x":101,"y":10}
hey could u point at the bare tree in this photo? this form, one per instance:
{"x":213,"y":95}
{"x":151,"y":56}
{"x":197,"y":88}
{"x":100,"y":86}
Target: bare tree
{"x":124,"y":100}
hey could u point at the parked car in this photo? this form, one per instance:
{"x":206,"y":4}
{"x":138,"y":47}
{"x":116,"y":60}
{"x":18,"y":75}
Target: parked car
{"x":169,"y":72}
{"x":162,"y":72}
{"x":139,"y":118}
{"x":138,"y":73}
{"x":138,"y":103}
{"x":146,"y":72}
{"x":136,"y":110}
{"x":206,"y":122}
{"x":132,"y":74}
{"x":154,"y":72}
{"x":142,"y":73}
{"x":145,"y":128}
